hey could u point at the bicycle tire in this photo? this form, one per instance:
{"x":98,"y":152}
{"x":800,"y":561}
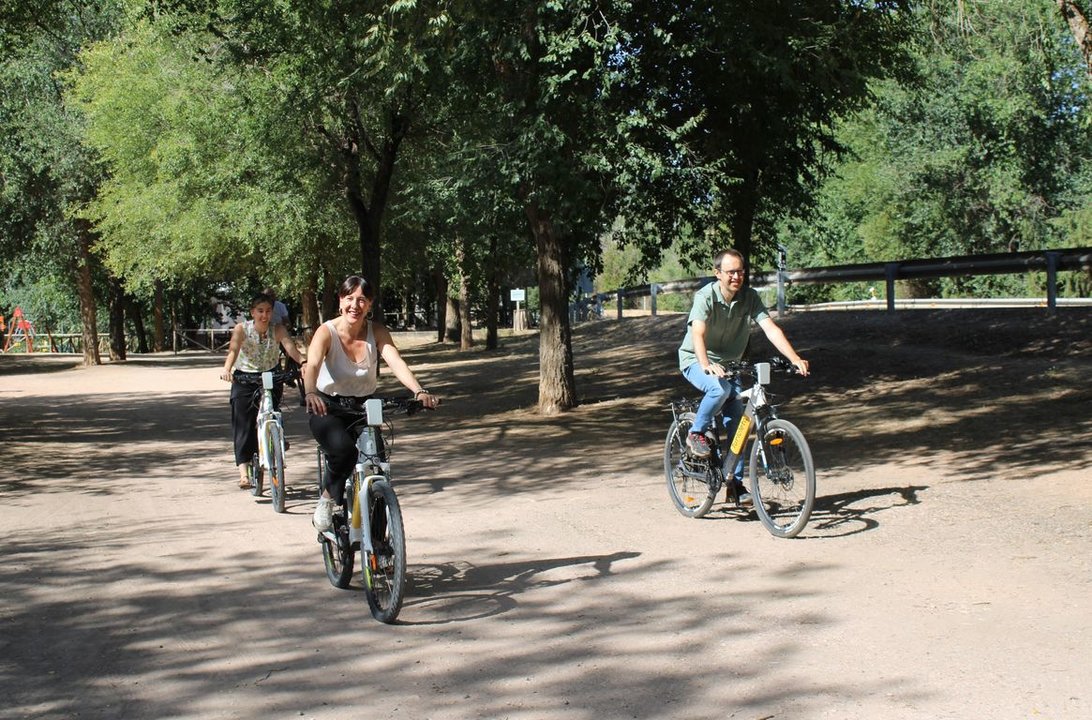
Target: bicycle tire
{"x":255,"y":476}
{"x":783,"y":487}
{"x":276,"y":468}
{"x":688,"y":478}
{"x":338,"y":555}
{"x":384,"y":570}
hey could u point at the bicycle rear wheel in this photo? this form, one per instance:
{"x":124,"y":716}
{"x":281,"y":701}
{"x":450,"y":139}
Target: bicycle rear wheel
{"x":690,"y":481}
{"x":255,"y":476}
{"x":384,"y":570}
{"x":782,"y":478}
{"x":276,"y":468}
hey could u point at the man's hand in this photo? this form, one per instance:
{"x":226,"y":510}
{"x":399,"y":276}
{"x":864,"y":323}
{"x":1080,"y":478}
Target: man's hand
{"x":715,"y":369}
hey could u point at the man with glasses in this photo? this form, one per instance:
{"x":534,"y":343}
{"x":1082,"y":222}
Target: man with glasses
{"x":717,"y":332}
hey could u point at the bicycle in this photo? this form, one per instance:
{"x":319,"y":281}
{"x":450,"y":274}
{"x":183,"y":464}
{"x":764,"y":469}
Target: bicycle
{"x":780,"y":467}
{"x":372,"y":525}
{"x":271,"y":443}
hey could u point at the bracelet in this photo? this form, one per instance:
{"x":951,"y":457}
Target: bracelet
{"x":426,"y":392}
{"x":311,"y":393}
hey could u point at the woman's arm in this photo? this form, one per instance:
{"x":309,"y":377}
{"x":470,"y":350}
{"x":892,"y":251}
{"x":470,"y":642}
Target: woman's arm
{"x":236,"y":344}
{"x":288,"y":344}
{"x":389,"y":352}
{"x":316,"y":354}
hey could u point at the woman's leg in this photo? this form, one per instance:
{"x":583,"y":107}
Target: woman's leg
{"x":244,"y":416}
{"x":333,"y":436}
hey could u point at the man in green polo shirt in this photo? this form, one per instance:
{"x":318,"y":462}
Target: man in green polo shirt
{"x":717,"y":332}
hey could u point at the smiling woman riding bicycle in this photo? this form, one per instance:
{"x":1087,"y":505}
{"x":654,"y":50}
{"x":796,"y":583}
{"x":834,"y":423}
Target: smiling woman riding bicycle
{"x":344,"y":365}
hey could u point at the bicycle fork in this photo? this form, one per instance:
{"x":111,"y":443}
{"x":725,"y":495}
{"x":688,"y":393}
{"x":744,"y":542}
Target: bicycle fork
{"x":360,"y":521}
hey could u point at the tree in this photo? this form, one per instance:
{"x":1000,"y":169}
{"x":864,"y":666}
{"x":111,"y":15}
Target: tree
{"x":987,"y":152}
{"x":1077,"y":19}
{"x":47,"y":172}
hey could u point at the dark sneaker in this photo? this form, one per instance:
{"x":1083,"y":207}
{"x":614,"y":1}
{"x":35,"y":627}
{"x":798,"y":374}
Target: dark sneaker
{"x":742,"y":496}
{"x":698,"y":445}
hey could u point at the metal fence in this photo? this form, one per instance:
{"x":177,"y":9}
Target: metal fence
{"x":1050,"y":261}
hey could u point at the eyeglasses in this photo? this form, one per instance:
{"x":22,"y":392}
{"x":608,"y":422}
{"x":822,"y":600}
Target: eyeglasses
{"x":731,"y":273}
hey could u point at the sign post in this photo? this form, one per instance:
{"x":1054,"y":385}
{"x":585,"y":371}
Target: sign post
{"x":517,"y":296}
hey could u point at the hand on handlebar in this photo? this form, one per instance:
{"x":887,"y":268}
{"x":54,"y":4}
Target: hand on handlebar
{"x":315,"y":404}
{"x":716,"y":369}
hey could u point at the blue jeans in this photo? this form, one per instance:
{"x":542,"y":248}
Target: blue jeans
{"x":719,"y":395}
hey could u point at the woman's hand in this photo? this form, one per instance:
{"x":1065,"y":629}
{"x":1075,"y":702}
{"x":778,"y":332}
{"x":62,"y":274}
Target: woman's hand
{"x":315,"y":404}
{"x":427,"y":399}
{"x":225,"y":375}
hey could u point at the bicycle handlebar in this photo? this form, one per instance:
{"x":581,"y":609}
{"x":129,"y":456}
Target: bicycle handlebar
{"x":400,"y":404}
{"x":280,"y":377}
{"x":736,"y":368}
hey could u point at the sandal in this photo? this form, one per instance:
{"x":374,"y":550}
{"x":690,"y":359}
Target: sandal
{"x":244,"y":483}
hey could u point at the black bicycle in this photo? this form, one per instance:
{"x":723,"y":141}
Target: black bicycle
{"x":371,"y":518}
{"x":780,"y":468}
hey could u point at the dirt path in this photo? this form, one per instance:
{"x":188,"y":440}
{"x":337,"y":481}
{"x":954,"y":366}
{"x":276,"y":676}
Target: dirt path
{"x":946,"y":573}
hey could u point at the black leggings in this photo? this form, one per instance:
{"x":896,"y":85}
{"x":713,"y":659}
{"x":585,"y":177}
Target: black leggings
{"x":337,"y":439}
{"x":245,"y":399}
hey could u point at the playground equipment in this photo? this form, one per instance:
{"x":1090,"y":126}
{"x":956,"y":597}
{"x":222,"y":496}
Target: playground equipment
{"x":22,"y":331}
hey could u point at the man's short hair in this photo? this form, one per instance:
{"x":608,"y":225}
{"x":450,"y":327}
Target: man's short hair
{"x":719,"y":258}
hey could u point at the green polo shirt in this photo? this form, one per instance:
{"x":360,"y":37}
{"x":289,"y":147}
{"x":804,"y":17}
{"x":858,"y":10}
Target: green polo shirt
{"x":727,"y":324}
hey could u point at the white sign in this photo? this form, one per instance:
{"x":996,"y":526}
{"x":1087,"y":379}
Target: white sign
{"x":518,"y":295}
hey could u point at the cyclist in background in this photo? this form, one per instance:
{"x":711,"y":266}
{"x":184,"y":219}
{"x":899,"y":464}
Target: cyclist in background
{"x":717,"y":332}
{"x":255,"y":347}
{"x":344,"y":366}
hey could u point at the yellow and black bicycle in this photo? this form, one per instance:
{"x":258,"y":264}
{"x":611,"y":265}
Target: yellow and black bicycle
{"x":780,"y":466}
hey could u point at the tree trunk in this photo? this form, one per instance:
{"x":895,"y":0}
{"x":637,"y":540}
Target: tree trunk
{"x":1077,"y":19}
{"x":86,"y":293}
{"x":158,"y":336}
{"x":744,"y":205}
{"x":441,"y":302}
{"x":466,"y":335}
{"x":138,"y":323}
{"x":451,"y":332}
{"x":557,"y":382}
{"x":368,"y":212}
{"x":492,"y":301}
{"x":117,"y":321}
{"x":309,"y":310}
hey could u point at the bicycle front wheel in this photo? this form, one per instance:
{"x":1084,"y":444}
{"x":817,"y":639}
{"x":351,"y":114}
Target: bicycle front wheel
{"x":690,"y":481}
{"x":276,"y":468}
{"x":384,"y":570}
{"x":782,"y":478}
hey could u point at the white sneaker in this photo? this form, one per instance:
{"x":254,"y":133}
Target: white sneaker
{"x":324,"y":514}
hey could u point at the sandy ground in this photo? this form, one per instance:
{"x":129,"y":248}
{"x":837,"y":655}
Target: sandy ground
{"x":946,"y":572}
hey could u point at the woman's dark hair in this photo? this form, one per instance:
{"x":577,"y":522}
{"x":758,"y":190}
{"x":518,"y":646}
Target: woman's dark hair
{"x":351,"y":283}
{"x":259,"y":299}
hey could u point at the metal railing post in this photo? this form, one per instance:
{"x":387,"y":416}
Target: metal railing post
{"x":782,"y":254}
{"x":620,"y":296}
{"x":653,"y":288}
{"x":890,"y":270}
{"x":1052,"y":280}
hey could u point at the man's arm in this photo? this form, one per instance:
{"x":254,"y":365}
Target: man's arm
{"x":776,"y":336}
{"x":697,"y":334}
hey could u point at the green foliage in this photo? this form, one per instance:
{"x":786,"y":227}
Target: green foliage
{"x":987,"y":152}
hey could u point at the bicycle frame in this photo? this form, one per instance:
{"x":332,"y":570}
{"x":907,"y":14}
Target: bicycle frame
{"x":268,"y":416}
{"x":756,"y":413}
{"x":370,"y":467}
